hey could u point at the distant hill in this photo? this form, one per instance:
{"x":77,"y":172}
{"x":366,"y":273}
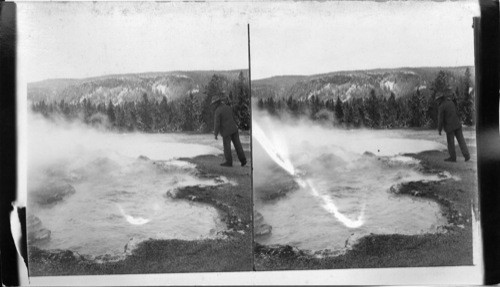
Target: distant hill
{"x":356,"y":84}
{"x":125,"y":87}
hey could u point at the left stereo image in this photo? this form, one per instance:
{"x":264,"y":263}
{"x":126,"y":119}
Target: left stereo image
{"x":136,"y":119}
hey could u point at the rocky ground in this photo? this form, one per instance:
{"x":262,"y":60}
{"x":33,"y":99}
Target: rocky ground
{"x":229,"y":252}
{"x":453,"y":246}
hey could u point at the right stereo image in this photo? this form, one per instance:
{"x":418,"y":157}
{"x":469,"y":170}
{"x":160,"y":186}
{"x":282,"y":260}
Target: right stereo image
{"x":364,"y":138}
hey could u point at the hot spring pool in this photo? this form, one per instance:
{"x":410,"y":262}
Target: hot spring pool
{"x":113,"y":205}
{"x":299,"y":219}
{"x":344,"y":182}
{"x":118,"y":187}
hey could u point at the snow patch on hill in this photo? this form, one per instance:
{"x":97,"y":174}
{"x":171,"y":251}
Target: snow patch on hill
{"x":121,"y":95}
{"x":181,"y":76}
{"x":160,"y":88}
{"x":352,"y":89}
{"x":389,"y":85}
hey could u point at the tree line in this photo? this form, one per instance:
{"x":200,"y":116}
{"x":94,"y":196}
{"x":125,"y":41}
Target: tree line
{"x":377,"y":111}
{"x":193,"y":112}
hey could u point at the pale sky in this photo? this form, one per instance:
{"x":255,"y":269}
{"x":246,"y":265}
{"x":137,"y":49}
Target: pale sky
{"x":318,"y":37}
{"x":76,"y":40}
{"x":85,"y":39}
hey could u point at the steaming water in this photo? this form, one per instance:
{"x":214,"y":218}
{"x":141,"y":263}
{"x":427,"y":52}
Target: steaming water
{"x":344,"y":180}
{"x":119,"y":197}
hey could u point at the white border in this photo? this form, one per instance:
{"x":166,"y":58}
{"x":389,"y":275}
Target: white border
{"x":469,"y":275}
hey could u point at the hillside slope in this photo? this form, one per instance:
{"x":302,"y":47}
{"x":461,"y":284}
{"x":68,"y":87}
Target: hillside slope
{"x":125,"y":87}
{"x":356,"y":84}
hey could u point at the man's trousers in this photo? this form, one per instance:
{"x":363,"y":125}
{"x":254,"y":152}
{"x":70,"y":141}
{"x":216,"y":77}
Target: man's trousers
{"x":235,"y":138}
{"x":450,"y":138}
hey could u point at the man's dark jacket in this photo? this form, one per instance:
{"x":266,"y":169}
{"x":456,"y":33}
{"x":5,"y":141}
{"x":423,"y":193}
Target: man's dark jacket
{"x":448,"y":117}
{"x":224,"y":121}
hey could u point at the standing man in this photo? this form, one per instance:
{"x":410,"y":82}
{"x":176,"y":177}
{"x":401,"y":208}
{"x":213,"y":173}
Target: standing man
{"x":448,"y":119}
{"x":225,"y":124}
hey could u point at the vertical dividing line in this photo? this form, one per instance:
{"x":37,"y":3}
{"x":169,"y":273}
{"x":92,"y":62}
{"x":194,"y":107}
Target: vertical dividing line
{"x":477,"y":91}
{"x":251,"y":147}
{"x":250,"y":95}
{"x":249,"y":63}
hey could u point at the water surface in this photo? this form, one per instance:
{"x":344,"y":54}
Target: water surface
{"x":344,"y":180}
{"x":121,"y":183}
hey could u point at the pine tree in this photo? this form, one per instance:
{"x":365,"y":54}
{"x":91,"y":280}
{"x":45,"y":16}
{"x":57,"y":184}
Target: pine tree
{"x":392,"y":111}
{"x":348,"y":114}
{"x":101,"y":108}
{"x":339,"y":112}
{"x":242,"y":107}
{"x":417,"y":110}
{"x":271,"y":106}
{"x":155,"y":116}
{"x":292,"y":106}
{"x":188,"y":111}
{"x":260,"y":104}
{"x":466,"y":102}
{"x":361,"y":111}
{"x":130,"y":117}
{"x":279,"y":105}
{"x":144,"y":119}
{"x":120,"y":117}
{"x":64,"y":109}
{"x":111,"y":113}
{"x":403,"y":116}
{"x":88,"y":110}
{"x":330,"y":105}
{"x":314,"y":106}
{"x":164,"y":115}
{"x":384,"y":112}
{"x":372,"y":110}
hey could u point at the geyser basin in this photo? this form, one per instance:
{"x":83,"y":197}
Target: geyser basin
{"x":103,"y":197}
{"x":115,"y":204}
{"x":349,"y":192}
{"x":298,"y":219}
{"x":112,"y":207}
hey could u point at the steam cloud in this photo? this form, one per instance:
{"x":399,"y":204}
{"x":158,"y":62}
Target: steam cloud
{"x":299,"y":145}
{"x":95,"y":189}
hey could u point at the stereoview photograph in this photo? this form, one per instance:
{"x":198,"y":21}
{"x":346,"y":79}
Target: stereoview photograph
{"x":364,"y":137}
{"x":138,"y":139}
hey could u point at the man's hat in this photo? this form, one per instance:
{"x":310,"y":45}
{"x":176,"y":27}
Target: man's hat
{"x":216,"y":100}
{"x":219,"y":98}
{"x":443,"y":94}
